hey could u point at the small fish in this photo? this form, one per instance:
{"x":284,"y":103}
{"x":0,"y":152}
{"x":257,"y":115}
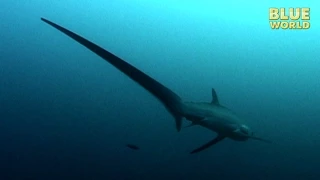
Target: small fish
{"x":131,"y":146}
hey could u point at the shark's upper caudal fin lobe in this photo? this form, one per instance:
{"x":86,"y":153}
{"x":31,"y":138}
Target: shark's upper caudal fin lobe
{"x":171,"y":100}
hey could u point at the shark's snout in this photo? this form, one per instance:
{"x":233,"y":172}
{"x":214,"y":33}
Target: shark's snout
{"x":244,"y":133}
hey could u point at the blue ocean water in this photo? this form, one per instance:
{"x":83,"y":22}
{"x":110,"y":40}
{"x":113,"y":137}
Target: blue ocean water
{"x":67,"y":114}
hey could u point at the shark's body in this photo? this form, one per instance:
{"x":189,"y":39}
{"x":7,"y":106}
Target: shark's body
{"x":211,"y":115}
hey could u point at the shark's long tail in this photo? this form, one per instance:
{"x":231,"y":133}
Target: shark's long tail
{"x":171,"y":100}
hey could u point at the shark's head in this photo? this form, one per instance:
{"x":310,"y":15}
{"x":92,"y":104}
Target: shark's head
{"x":244,"y":132}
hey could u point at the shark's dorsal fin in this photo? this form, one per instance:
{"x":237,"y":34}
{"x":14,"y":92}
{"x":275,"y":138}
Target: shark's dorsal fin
{"x":214,"y":97}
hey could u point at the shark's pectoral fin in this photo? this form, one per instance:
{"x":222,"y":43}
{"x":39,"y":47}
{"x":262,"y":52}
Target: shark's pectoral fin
{"x":210,"y":143}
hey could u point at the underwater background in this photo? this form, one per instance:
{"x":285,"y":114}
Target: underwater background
{"x":67,"y":114}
